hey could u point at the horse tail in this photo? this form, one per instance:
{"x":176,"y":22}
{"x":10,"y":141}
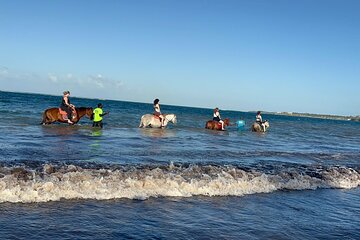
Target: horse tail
{"x":141,"y":122}
{"x":44,"y":118}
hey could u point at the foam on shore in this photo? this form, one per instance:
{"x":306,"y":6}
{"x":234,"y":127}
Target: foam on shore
{"x":51,"y":183}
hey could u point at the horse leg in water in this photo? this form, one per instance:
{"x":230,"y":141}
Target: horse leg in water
{"x":48,"y":118}
{"x":142,"y":123}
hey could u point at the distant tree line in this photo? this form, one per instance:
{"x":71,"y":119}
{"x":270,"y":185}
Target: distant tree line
{"x":323,"y":116}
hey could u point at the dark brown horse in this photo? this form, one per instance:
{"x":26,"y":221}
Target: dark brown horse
{"x":52,"y":115}
{"x":215,"y":125}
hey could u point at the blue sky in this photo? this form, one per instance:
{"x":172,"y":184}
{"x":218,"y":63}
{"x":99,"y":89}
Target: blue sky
{"x":270,"y":55}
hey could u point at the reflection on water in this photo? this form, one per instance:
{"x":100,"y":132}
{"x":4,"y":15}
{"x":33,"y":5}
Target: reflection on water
{"x":95,"y":145}
{"x":158,"y":132}
{"x":61,"y":130}
{"x":216,"y":132}
{"x":96,"y":132}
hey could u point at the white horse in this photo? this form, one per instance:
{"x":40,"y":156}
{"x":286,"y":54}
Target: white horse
{"x":149,"y":120}
{"x":257,"y":128}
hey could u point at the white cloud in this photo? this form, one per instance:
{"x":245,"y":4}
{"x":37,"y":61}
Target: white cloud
{"x":99,"y":84}
{"x":92,"y":86}
{"x":102,"y":82}
{"x":119,"y":84}
{"x":52,"y":78}
{"x":4,"y":70}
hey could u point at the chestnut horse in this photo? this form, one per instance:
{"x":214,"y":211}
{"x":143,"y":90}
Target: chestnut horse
{"x":215,"y":125}
{"x":52,"y":115}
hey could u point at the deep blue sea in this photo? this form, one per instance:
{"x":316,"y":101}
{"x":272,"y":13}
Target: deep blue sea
{"x":299,"y":180}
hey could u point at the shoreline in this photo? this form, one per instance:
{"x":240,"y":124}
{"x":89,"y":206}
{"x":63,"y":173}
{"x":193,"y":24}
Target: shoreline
{"x":320,"y":116}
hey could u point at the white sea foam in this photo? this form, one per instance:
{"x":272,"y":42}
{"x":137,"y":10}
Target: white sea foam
{"x":71,"y":182}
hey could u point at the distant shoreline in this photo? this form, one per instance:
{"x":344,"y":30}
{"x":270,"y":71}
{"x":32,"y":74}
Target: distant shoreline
{"x":321,"y":116}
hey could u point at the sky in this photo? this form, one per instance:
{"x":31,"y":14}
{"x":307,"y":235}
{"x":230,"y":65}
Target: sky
{"x":269,"y":55}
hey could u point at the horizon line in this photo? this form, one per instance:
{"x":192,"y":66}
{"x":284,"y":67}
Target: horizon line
{"x":118,"y":100}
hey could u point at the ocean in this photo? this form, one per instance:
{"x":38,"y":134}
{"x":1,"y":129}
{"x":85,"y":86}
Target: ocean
{"x":299,"y":180}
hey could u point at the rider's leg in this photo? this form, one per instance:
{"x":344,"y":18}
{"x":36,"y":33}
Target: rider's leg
{"x":161,"y":120}
{"x":68,"y":111}
{"x":73,"y":113}
{"x":222,"y":124}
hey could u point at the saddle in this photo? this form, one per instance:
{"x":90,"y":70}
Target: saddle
{"x":216,"y":123}
{"x":64,"y":114}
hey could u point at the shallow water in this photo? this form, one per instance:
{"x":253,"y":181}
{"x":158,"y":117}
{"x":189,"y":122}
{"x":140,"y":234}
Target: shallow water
{"x":280,"y":215}
{"x":181,"y":182}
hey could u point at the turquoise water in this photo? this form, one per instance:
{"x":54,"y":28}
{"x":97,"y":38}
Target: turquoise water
{"x":299,"y":180}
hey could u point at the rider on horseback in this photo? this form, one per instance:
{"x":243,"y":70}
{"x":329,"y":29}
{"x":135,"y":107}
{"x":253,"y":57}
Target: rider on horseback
{"x":216,"y":117}
{"x":260,"y":121}
{"x":67,"y":106}
{"x":157,"y":111}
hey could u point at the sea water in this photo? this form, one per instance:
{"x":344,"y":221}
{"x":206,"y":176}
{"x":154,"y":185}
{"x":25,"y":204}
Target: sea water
{"x":299,"y":180}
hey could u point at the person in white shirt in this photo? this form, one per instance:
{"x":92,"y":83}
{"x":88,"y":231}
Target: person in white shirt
{"x":216,"y":117}
{"x":260,"y":121}
{"x":157,"y":111}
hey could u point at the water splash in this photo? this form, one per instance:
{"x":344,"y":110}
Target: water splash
{"x":54,"y":183}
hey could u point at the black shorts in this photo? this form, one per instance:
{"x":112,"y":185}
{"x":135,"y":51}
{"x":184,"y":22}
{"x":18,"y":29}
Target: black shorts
{"x":216,"y":119}
{"x":98,"y":124}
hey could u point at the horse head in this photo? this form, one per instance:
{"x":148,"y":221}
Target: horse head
{"x":89,"y":112}
{"x":174,"y":119}
{"x":267,"y":124}
{"x":81,"y":111}
{"x":226,"y":122}
{"x":171,"y":118}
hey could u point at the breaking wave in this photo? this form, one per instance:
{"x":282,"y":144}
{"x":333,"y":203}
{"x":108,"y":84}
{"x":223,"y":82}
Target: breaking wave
{"x":53,"y":183}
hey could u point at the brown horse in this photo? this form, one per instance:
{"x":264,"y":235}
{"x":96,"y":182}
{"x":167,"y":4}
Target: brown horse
{"x":215,"y":125}
{"x":52,"y":115}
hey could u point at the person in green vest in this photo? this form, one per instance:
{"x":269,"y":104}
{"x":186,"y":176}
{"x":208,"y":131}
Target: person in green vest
{"x":98,"y":114}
